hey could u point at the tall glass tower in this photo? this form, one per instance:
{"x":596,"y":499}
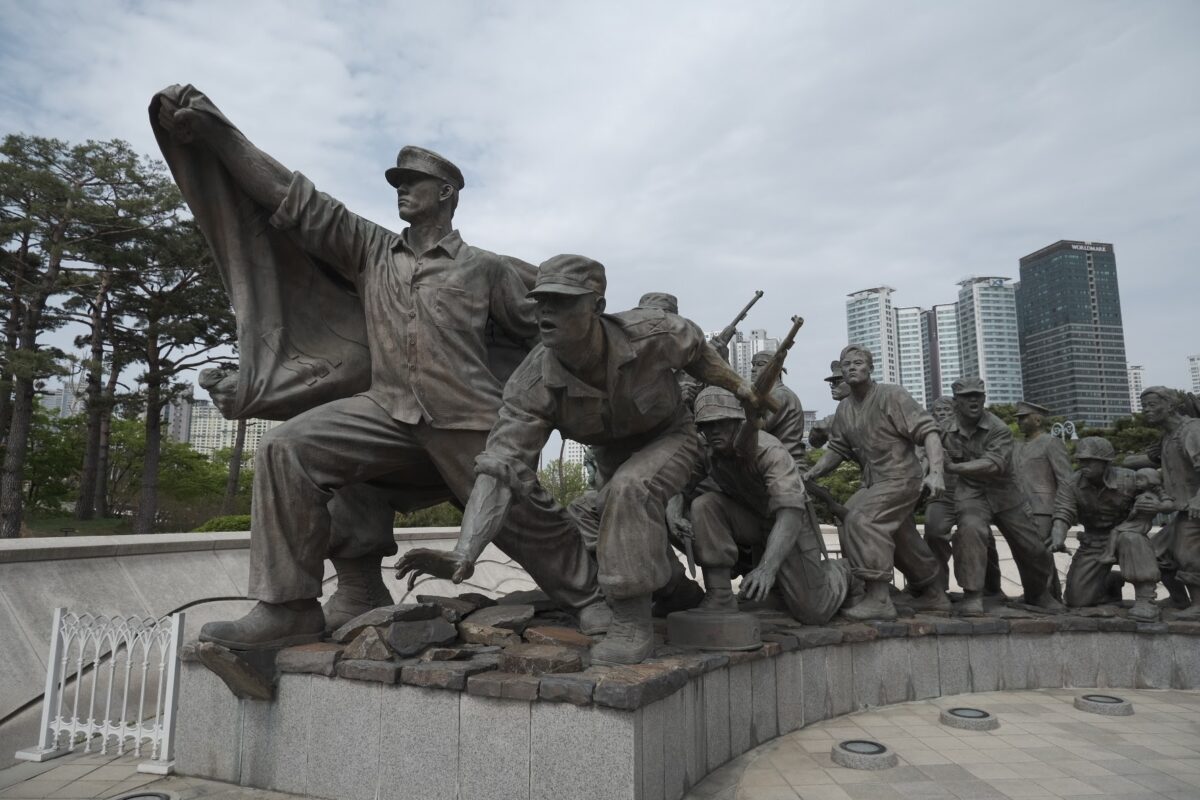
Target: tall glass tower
{"x":1072,"y":338}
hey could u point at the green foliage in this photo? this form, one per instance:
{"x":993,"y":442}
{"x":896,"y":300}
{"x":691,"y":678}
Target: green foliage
{"x":233,"y":522}
{"x":52,"y":461}
{"x":564,"y":480}
{"x":443,"y":515}
{"x":842,"y":483}
{"x":1128,"y":435}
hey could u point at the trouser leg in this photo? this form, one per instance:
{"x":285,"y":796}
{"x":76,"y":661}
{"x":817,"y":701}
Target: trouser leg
{"x":1032,"y":557}
{"x":1044,"y":524}
{"x":939,"y":524}
{"x":632,"y":548}
{"x":1136,"y":557}
{"x":720,"y":524}
{"x":1187,"y":553}
{"x":361,"y":522}
{"x":971,"y":545}
{"x":1087,"y":575}
{"x":297,"y":469}
{"x":914,"y":559}
{"x":992,"y":583}
{"x":814,"y":588}
{"x":539,"y":535}
{"x":878,"y":524}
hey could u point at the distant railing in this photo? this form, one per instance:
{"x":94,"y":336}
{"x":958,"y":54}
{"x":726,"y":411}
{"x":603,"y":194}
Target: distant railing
{"x":125,"y":658}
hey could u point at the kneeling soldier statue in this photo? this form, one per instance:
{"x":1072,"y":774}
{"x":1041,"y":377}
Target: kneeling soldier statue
{"x":754,"y":498}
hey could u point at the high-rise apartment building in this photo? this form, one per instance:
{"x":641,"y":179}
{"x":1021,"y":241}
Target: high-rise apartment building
{"x":572,"y":452}
{"x":1072,"y":338}
{"x":871,"y":323}
{"x":989,"y":344}
{"x":1194,"y":372}
{"x":1137,"y":382}
{"x":945,"y":360}
{"x":210,"y":432}
{"x":914,"y":353}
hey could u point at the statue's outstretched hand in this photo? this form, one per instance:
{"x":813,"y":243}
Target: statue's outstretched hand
{"x":185,"y":124}
{"x":444,"y":564}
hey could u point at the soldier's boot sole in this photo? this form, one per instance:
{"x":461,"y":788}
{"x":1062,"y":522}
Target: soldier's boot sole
{"x":871,"y":609}
{"x":269,"y":626}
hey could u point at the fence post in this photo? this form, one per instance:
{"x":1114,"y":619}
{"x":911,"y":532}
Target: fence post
{"x":165,"y":763}
{"x":47,"y":745}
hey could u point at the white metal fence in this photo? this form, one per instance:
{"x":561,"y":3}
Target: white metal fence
{"x":124,"y":691}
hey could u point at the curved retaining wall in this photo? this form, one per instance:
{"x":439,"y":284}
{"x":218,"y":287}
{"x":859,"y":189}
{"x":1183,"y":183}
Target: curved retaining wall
{"x":647,"y":732}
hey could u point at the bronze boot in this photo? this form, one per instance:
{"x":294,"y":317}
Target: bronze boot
{"x":360,"y":588}
{"x":1144,"y":609}
{"x":269,"y":626}
{"x":630,"y":638}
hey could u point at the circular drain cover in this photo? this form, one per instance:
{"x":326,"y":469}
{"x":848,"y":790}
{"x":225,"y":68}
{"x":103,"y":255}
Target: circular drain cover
{"x":968,"y":719}
{"x":145,"y":796}
{"x":1106,"y":704}
{"x":862,"y":754}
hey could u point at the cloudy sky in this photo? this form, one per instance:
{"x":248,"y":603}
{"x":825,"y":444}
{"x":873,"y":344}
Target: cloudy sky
{"x":708,"y":149}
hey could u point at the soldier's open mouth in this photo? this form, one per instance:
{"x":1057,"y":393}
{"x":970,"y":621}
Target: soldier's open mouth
{"x":546,"y":326}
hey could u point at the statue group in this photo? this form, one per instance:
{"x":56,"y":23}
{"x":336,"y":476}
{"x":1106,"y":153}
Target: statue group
{"x":413,"y":368}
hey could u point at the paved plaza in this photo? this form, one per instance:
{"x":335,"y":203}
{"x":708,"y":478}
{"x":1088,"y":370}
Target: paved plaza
{"x":1044,"y":748}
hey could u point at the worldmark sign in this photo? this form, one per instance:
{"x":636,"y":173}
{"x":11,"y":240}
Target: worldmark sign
{"x":1095,"y":248}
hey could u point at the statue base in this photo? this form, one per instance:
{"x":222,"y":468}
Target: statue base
{"x":706,"y":630}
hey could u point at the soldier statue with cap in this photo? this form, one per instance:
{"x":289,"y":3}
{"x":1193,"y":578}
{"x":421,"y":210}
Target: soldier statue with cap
{"x":428,"y":301}
{"x":756,"y":500}
{"x":1178,"y":454}
{"x":1043,"y":465}
{"x":880,"y":426}
{"x":979,"y":449}
{"x":838,"y":391}
{"x":1101,"y":496}
{"x":786,"y":424}
{"x":606,"y":380}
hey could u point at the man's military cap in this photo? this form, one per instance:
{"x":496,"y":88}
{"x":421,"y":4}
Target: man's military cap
{"x":569,"y":274}
{"x":714,"y":403}
{"x":1025,"y":407}
{"x":426,"y":163}
{"x":835,"y":372}
{"x":664,"y":300}
{"x":969,"y":385}
{"x":1095,"y":447}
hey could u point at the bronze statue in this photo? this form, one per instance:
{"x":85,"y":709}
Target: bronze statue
{"x":755,"y":500}
{"x":838,"y":391}
{"x":1042,"y":465}
{"x":786,"y":424}
{"x":881,"y":426}
{"x":1179,"y":456}
{"x":607,"y":381}
{"x":427,"y":305}
{"x":1105,"y":499}
{"x":979,"y":447}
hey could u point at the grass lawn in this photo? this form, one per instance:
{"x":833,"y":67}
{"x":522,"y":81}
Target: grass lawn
{"x":68,"y":526}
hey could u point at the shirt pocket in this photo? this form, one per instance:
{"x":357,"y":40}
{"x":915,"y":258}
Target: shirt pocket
{"x":458,"y":309}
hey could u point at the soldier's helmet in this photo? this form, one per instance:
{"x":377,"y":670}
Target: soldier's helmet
{"x":1095,"y":447}
{"x":714,"y":403}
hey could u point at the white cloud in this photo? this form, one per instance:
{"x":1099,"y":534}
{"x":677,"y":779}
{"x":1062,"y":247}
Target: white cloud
{"x":706,"y":148}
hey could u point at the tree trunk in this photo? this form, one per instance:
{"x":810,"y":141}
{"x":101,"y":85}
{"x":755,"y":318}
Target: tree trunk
{"x":229,"y":506}
{"x":16,"y":448}
{"x":109,"y":396}
{"x":85,"y":505}
{"x":148,"y":502}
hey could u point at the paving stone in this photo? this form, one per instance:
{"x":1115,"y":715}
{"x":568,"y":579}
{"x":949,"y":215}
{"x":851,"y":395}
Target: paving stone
{"x":1152,"y":627}
{"x":696,"y":664}
{"x":858,"y":632}
{"x":539,"y":659}
{"x":986,"y":625}
{"x":454,"y":609}
{"x":1080,"y":659}
{"x":319,"y":658}
{"x":446,"y":674}
{"x":377,"y":671}
{"x":1155,"y":662}
{"x":384,"y":616}
{"x":1183,"y":627}
{"x":571,"y":687}
{"x":556,"y":635}
{"x":815,"y":669}
{"x":509,"y":617}
{"x":765,"y":693}
{"x":637,"y":685}
{"x":1033,"y":625}
{"x":409,"y":638}
{"x":983,"y":652}
{"x":1116,"y":624}
{"x":889,"y":629}
{"x":1080,"y":624}
{"x":922,"y":626}
{"x":787,"y":643}
{"x":510,"y":685}
{"x":954,"y":664}
{"x":716,"y":717}
{"x":369,"y":646}
{"x":486,"y":634}
{"x":457,"y":653}
{"x":951,"y":626}
{"x":816,"y":637}
{"x":243,"y":677}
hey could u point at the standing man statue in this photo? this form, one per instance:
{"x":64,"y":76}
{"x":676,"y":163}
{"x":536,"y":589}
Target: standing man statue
{"x":939,"y":511}
{"x":607,"y":381}
{"x":1043,"y":465}
{"x":1101,"y":497}
{"x":756,"y":500}
{"x":838,"y":391}
{"x":786,"y":424}
{"x":1179,"y":457}
{"x":880,"y":426}
{"x":979,"y":447}
{"x":429,"y":301}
